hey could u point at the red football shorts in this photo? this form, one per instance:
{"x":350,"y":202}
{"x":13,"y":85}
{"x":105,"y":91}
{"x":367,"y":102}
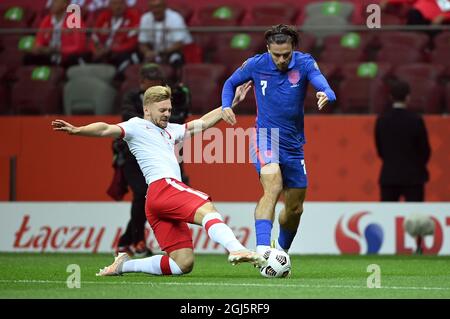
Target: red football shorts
{"x":169,"y":206}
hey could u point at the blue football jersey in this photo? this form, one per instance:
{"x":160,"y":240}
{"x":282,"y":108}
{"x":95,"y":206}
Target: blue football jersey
{"x":279,"y":95}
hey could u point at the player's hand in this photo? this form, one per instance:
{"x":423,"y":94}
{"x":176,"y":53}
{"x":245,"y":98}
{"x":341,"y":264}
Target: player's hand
{"x":228,"y":116}
{"x":322,"y":99}
{"x":241,"y":93}
{"x":60,"y":125}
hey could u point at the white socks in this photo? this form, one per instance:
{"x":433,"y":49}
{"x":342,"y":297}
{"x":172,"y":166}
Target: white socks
{"x":220,"y":232}
{"x":155,"y":265}
{"x":261,"y":249}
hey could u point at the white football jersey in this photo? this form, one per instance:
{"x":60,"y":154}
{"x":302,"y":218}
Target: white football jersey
{"x":154,"y":147}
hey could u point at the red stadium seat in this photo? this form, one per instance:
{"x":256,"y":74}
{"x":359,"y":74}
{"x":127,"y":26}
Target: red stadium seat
{"x":16,"y":16}
{"x":232,"y":49}
{"x":205,"y":81}
{"x":347,"y":48}
{"x":362,"y":95}
{"x":407,"y":40}
{"x":442,"y":40}
{"x":132,"y":76}
{"x":426,"y":96}
{"x":350,"y":39}
{"x":12,"y":58}
{"x":231,"y":58}
{"x":267,"y":14}
{"x":350,"y":70}
{"x":447,"y":98}
{"x":342,"y":55}
{"x":4,"y":92}
{"x":218,"y":14}
{"x":362,"y":89}
{"x":307,"y":42}
{"x":420,"y":70}
{"x":440,"y":55}
{"x":398,"y":55}
{"x":37,"y":90}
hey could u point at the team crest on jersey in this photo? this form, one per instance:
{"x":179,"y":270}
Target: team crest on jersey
{"x":294,"y":77}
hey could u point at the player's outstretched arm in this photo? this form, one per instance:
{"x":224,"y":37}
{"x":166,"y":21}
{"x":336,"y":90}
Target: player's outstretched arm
{"x":98,"y":129}
{"x":210,"y":119}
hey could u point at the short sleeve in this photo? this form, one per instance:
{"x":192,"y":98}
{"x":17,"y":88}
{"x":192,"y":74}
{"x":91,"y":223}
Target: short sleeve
{"x":144,"y":35}
{"x":128,"y":130}
{"x":179,"y":32}
{"x":178,"y":131}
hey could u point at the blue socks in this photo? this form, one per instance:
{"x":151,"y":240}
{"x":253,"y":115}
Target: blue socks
{"x":263,"y":229}
{"x":285,"y":238}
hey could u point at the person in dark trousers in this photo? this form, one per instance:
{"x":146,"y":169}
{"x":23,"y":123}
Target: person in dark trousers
{"x":133,"y":240}
{"x":402,"y":144}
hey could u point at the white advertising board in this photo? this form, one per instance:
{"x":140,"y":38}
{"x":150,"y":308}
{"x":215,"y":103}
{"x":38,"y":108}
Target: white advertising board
{"x":326,"y":228}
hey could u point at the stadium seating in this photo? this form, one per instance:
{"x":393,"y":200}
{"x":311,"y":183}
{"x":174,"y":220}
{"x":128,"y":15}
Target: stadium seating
{"x":346,"y":48}
{"x":37,"y":90}
{"x":220,"y":15}
{"x":410,"y":40}
{"x":267,"y":14}
{"x":399,"y":54}
{"x":357,"y":70}
{"x":15,"y":16}
{"x":447,"y":98}
{"x":4,"y":96}
{"x":307,"y":42}
{"x":363,"y":89}
{"x":330,"y":8}
{"x":440,"y":55}
{"x":442,"y":40}
{"x":426,"y":96}
{"x":104,"y":72}
{"x":78,"y":97}
{"x":205,"y":81}
{"x":420,"y":71}
{"x":315,"y":26}
{"x":232,"y":49}
{"x":132,"y":77}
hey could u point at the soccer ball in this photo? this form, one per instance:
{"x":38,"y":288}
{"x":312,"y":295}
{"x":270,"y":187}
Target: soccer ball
{"x":278,"y":264}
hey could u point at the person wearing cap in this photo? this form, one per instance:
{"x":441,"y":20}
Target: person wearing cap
{"x":133,"y":240}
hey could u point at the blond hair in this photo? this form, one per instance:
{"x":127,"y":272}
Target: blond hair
{"x":155,"y":94}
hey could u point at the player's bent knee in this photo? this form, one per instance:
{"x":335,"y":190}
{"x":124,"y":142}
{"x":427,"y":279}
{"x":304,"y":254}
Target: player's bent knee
{"x":186,"y":264}
{"x":295,"y":211}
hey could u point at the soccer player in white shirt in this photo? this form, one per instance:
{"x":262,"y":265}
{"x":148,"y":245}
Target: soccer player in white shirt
{"x":170,"y":204}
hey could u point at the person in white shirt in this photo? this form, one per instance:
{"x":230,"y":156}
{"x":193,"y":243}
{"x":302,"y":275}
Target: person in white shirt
{"x":170,"y":204}
{"x":163,"y":34}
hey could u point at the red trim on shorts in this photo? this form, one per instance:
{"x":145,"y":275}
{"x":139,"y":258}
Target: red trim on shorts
{"x":211,"y":222}
{"x":184,"y":244}
{"x":122,"y":135}
{"x":165,"y":265}
{"x":192,"y":215}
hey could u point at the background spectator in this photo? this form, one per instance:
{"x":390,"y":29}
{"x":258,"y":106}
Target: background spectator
{"x":402,"y":144}
{"x":116,"y":46}
{"x":60,"y":45}
{"x":164,"y":34}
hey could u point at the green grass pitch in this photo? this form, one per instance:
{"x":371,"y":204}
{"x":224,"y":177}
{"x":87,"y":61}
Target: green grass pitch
{"x":314,"y":276}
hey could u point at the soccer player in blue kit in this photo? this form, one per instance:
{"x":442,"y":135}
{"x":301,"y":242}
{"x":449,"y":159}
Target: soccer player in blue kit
{"x":280,"y":77}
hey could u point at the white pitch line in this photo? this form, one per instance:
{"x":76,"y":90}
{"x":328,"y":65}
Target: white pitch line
{"x":221,"y":284}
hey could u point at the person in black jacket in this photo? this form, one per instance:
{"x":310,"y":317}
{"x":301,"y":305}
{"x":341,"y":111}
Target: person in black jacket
{"x":402,"y":143}
{"x":133,"y":240}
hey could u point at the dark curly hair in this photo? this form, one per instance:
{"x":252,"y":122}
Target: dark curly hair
{"x":281,"y":33}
